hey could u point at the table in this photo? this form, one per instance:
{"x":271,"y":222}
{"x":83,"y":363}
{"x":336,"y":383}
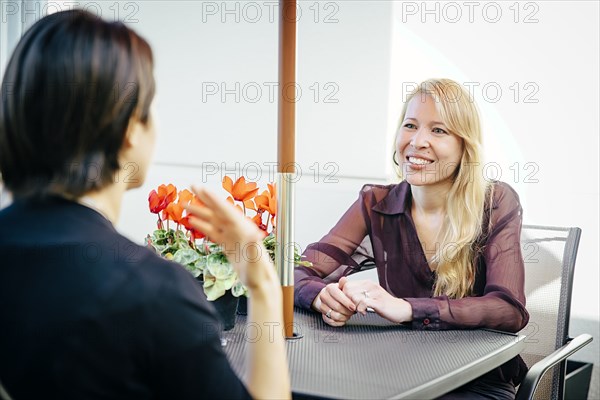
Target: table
{"x":372,"y":358}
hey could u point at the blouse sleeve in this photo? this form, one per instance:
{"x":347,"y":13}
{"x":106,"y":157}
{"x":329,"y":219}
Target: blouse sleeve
{"x":502,"y":304}
{"x":334,"y":249}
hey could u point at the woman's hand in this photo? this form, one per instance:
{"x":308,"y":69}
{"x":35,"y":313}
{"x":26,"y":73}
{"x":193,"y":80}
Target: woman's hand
{"x":221,"y":222}
{"x":368,"y":294}
{"x":335,"y":306}
{"x":241,"y":239}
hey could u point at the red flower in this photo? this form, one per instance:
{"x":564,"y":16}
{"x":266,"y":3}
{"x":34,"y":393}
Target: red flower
{"x":158,"y":201}
{"x":174,"y":212}
{"x":267,"y":201}
{"x":185,"y":196}
{"x":195,"y":234}
{"x":257,"y":219}
{"x":240,"y":190}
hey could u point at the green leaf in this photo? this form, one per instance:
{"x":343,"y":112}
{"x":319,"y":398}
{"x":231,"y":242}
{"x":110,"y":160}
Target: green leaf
{"x":196,"y":272}
{"x":214,"y":292}
{"x":215,"y":288}
{"x":270,"y":243}
{"x":238,"y":289}
{"x":186,"y":256}
{"x":218,"y":267}
{"x":201,"y":263}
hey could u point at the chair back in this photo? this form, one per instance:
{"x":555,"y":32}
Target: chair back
{"x":549,"y":254}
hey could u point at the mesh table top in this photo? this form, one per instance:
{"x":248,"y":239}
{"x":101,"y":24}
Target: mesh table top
{"x":371,"y":358}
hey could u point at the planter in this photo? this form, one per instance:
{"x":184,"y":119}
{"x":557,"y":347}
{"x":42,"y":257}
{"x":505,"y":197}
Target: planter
{"x":577,"y":380}
{"x":242,"y":308}
{"x":200,"y":282}
{"x":226,"y":307}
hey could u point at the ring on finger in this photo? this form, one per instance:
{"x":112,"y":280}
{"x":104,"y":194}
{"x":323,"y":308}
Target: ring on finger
{"x":328,"y":315}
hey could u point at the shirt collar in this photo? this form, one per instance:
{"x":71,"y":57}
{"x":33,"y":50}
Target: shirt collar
{"x":397,"y":201}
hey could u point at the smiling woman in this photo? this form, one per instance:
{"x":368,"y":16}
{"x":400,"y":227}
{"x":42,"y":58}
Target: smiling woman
{"x":444,"y":240}
{"x":444,"y":158}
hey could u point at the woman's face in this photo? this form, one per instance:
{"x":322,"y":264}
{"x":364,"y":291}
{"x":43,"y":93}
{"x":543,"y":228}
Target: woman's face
{"x":140,"y":154}
{"x":426,"y":150}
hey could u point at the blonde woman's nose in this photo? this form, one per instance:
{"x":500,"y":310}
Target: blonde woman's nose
{"x":420,"y":139}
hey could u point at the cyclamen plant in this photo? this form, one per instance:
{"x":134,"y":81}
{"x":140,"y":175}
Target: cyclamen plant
{"x":204,"y":259}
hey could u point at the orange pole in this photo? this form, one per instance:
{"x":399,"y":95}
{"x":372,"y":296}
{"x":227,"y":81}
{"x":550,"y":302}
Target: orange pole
{"x":286,"y":144}
{"x":286,"y":141}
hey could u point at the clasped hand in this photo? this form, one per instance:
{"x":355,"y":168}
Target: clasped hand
{"x":339,"y":301}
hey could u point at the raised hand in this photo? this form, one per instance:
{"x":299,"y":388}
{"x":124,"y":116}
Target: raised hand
{"x":221,"y":222}
{"x":240,"y":238}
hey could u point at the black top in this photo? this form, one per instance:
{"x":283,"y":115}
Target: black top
{"x":87,"y":314}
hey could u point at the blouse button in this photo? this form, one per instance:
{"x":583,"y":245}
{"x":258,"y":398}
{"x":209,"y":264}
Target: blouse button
{"x":426,"y":321}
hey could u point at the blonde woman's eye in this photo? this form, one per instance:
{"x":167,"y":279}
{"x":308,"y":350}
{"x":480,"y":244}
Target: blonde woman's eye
{"x":409,"y":126}
{"x":440,"y":130}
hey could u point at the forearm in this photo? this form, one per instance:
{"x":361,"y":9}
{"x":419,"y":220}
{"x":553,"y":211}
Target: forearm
{"x":267,"y":376}
{"x":493,"y":311}
{"x":307,"y":286}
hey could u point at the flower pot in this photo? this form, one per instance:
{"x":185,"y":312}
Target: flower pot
{"x":226,"y":307}
{"x":242,"y":308}
{"x":200,"y":282}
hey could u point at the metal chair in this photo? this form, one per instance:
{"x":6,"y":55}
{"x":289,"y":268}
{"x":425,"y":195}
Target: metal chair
{"x":549,"y":254}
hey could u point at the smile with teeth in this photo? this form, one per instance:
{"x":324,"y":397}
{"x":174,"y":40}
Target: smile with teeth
{"x":419,"y":161}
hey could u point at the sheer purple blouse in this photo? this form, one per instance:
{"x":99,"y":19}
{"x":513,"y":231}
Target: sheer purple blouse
{"x":378,"y":228}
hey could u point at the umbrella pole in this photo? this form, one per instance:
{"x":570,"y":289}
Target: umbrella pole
{"x":286,"y":136}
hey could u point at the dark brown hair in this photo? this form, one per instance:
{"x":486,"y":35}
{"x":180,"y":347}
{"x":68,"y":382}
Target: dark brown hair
{"x":70,"y":90}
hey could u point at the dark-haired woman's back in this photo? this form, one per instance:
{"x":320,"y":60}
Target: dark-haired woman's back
{"x":105,"y":318}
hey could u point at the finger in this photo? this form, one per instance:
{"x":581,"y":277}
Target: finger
{"x":197,"y":209}
{"x":330,"y":303}
{"x":349,"y":288}
{"x":202,"y":213}
{"x":205,"y":220}
{"x":214,"y":203}
{"x":207,"y":228}
{"x":212,"y":216}
{"x":344,"y":300}
{"x":363,"y":304}
{"x":326,"y":300}
{"x":342,"y":282}
{"x":327,"y":308}
{"x":337,"y":316}
{"x":332,"y":322}
{"x":343,"y":317}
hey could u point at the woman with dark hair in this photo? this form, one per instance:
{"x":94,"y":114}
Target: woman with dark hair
{"x":85,"y":312}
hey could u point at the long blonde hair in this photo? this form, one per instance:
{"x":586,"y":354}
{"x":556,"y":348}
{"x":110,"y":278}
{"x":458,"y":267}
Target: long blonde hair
{"x":458,"y":249}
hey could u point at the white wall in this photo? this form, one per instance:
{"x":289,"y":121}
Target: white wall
{"x":343,"y":76}
{"x":361,"y":57}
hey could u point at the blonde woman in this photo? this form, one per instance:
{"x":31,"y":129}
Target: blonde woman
{"x":445,"y":240}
